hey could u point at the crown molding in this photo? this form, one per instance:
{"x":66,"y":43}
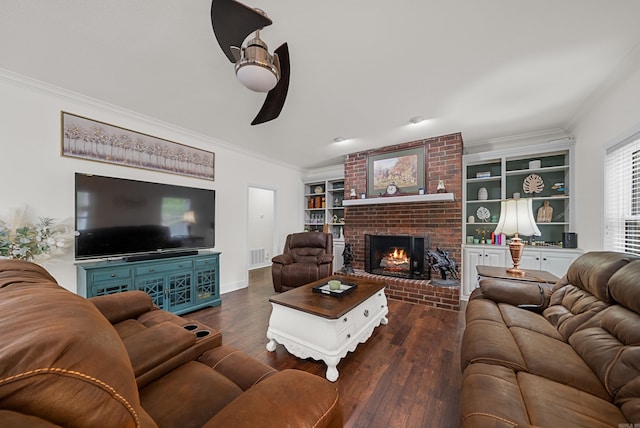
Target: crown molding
{"x":47,"y":89}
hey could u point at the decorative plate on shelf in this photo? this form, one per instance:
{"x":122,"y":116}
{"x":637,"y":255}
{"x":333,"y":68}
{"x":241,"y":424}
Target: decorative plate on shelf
{"x":533,"y":184}
{"x":318,"y":189}
{"x":483,"y":214}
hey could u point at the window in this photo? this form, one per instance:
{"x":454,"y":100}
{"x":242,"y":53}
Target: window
{"x":174,"y":214}
{"x":622,"y":200}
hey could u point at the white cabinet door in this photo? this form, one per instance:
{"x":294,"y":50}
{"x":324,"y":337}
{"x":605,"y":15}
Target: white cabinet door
{"x":557,"y":262}
{"x":553,"y":261}
{"x":530,"y":260}
{"x":494,"y":257}
{"x":471,"y":258}
{"x":478,"y":256}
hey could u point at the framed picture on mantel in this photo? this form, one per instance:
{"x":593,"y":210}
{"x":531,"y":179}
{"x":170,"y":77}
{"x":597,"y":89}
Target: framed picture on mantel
{"x":403,"y":168}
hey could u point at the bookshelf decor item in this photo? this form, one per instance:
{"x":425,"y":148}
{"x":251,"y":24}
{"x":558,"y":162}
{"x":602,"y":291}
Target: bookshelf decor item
{"x":533,"y":184}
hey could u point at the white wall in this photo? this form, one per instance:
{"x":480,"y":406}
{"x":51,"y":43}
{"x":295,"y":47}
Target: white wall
{"x":612,"y":115}
{"x":35,"y":175}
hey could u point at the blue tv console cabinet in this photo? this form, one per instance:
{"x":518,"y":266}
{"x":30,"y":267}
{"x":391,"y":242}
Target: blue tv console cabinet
{"x":177,"y":284}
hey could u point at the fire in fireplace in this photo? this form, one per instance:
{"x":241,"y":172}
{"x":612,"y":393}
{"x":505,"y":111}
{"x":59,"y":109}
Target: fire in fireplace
{"x":400,"y":256}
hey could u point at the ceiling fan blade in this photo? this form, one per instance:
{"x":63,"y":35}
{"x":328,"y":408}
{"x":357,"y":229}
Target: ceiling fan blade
{"x":275,"y":98}
{"x":232,"y":22}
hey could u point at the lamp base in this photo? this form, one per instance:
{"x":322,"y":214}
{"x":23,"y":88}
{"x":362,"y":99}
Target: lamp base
{"x":516,"y":272}
{"x":515,"y":248}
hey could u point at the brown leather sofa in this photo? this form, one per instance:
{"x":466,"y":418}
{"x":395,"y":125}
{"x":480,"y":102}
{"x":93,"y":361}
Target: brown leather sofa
{"x":573,"y":362}
{"x":119,"y":361}
{"x":307,"y":257}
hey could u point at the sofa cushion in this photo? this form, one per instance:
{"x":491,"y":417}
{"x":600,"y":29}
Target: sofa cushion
{"x":495,"y":396}
{"x":613,"y":352}
{"x":625,"y":287}
{"x":188,"y":396}
{"x":557,"y":361}
{"x":517,"y":317}
{"x":262,"y":405}
{"x":237,"y":366}
{"x":491,"y":398}
{"x":69,"y":350}
{"x":591,"y":271}
{"x":490,"y":342}
{"x":571,"y":308}
{"x":552,"y":404}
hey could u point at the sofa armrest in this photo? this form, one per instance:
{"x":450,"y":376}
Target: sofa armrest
{"x":283,"y":259}
{"x":526,"y":295}
{"x":325,"y":258}
{"x":157,"y":344}
{"x":290,"y":398}
{"x":121,"y":306}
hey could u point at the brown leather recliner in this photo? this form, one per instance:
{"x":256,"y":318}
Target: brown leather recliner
{"x":307,"y":257}
{"x":119,"y":361}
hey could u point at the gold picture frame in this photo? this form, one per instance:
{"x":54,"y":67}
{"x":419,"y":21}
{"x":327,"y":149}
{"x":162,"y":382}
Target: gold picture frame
{"x":404,"y":168}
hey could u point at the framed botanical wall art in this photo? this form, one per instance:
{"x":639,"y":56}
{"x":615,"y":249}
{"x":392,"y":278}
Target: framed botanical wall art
{"x":90,"y":139}
{"x":404,"y":168}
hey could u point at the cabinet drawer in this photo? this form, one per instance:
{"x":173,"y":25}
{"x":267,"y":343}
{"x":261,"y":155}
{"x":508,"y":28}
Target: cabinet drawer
{"x":164,"y":267}
{"x":370,"y":310}
{"x":345,"y":324}
{"x":206,"y":263}
{"x":110,"y":274}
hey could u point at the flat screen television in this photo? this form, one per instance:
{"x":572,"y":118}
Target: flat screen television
{"x":121,"y":217}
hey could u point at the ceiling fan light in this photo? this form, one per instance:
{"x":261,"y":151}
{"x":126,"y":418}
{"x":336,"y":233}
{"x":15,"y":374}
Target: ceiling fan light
{"x":256,"y":77}
{"x":256,"y":69}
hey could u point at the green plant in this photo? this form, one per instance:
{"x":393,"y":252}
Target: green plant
{"x":29,"y":242}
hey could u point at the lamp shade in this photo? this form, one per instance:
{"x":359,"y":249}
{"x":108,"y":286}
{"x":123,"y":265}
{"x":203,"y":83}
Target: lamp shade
{"x":516,"y":217}
{"x":189,"y":217}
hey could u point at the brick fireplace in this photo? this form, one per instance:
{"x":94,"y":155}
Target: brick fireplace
{"x":440,"y":221}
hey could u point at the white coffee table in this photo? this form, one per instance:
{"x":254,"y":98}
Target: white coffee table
{"x":326,"y":327}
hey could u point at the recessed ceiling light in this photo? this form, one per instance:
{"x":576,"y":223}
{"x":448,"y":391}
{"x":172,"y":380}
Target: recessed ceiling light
{"x":416,"y":119}
{"x":339,"y":139}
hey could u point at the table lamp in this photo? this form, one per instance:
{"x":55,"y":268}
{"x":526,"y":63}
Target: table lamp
{"x":516,"y":217}
{"x":189,"y":218}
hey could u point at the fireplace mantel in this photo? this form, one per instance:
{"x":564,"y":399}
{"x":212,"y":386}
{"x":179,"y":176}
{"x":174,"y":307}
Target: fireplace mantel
{"x":432,"y":197}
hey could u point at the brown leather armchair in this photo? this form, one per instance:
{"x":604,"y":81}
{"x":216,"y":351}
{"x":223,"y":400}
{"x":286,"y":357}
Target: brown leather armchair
{"x":307,"y":257}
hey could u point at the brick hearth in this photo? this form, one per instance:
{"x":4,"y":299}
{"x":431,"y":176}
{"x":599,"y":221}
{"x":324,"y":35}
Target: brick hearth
{"x":417,"y":291}
{"x":441,"y":221}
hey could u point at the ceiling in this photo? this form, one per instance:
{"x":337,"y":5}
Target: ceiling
{"x":359,"y":69}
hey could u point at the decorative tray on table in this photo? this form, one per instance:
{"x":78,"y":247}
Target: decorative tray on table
{"x":345,"y":288}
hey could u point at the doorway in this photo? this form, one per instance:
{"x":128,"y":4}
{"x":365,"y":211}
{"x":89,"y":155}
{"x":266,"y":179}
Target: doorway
{"x":261,"y":230}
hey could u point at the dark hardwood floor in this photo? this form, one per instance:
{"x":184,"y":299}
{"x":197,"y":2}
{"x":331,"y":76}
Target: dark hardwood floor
{"x":406,"y":375}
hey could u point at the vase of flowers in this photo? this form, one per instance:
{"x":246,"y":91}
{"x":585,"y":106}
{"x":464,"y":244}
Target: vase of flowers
{"x":32,"y":242}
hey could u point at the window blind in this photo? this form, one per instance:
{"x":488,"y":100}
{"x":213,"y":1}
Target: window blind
{"x":622,"y":197}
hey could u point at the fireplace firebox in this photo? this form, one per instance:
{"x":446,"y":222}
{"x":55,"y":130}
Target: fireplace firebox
{"x":400,"y":256}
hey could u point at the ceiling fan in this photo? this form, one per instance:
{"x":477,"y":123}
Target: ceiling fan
{"x":255,"y":67}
